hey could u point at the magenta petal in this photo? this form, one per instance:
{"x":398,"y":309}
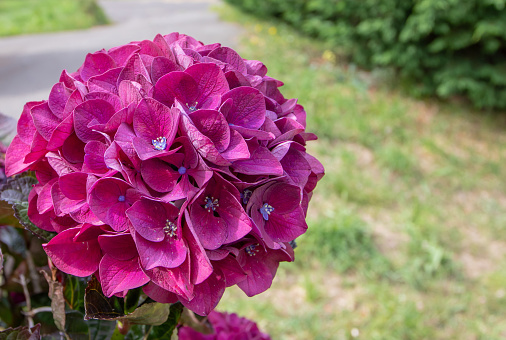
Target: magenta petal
{"x":95,"y":64}
{"x":117,"y":276}
{"x":161,"y":66}
{"x":26,"y":128}
{"x":201,"y":143}
{"x":168,"y":253}
{"x":58,"y":98}
{"x":231,"y":270}
{"x":45,"y":201}
{"x":248,"y":107}
{"x":175,"y":280}
{"x":106,"y":81}
{"x":73,"y":185}
{"x":133,"y":68}
{"x":90,"y":113}
{"x":94,"y":161}
{"x":122,"y":54}
{"x":63,"y":131}
{"x":45,"y":121}
{"x":262,"y":162}
{"x":109,"y":200}
{"x":74,"y":258}
{"x":297,"y":167}
{"x":119,"y":246}
{"x":252,"y":133}
{"x":229,"y":56}
{"x":149,"y":218}
{"x":159,"y":294}
{"x":154,"y":120}
{"x":207,"y":294}
{"x":88,"y":232}
{"x":237,"y":148}
{"x":201,"y":267}
{"x":238,"y":222}
{"x":213,"y":125}
{"x":15,"y":156}
{"x":210,"y":80}
{"x":159,"y":175}
{"x":284,"y":197}
{"x":176,"y":85}
{"x":286,"y":227}
{"x":211,"y":230}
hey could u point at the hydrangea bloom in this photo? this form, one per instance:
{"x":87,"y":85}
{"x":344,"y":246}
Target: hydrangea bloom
{"x":225,"y":327}
{"x":171,"y":165}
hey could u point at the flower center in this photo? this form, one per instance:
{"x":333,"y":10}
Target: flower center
{"x":121,"y":198}
{"x":170,"y":229}
{"x":181,"y":170}
{"x":160,"y":143}
{"x":246,"y":195}
{"x":266,"y":210}
{"x":211,"y":204}
{"x":251,"y":249}
{"x":192,"y":108}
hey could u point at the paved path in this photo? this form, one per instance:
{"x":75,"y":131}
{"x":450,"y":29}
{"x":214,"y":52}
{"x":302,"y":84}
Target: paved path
{"x":31,"y":64}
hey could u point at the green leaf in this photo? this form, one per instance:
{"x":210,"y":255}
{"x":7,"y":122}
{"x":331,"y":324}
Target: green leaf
{"x":21,"y":333}
{"x":17,"y":189}
{"x":21,"y":213}
{"x":153,"y":313}
{"x":165,"y":330}
{"x":76,"y":327}
{"x":73,"y":292}
{"x":132,"y":299}
{"x":101,"y":329}
{"x":15,"y":192}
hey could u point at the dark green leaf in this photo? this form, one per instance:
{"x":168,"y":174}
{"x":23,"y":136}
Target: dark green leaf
{"x":136,"y":332}
{"x":165,"y":330}
{"x":76,"y":327}
{"x":132,"y":300}
{"x":101,"y":329}
{"x":97,"y":306}
{"x":73,"y":292}
{"x":21,"y":333}
{"x":17,"y":189}
{"x":21,"y":213}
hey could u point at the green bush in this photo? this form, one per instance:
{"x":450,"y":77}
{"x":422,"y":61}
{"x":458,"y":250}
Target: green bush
{"x":442,"y":47}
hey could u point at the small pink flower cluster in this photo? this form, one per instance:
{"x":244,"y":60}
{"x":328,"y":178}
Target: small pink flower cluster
{"x":225,"y":327}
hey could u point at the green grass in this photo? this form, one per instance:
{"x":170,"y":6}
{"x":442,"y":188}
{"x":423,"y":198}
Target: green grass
{"x":407,"y":236}
{"x":36,"y":16}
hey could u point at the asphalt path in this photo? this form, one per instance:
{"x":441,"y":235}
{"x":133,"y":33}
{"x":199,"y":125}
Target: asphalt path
{"x":31,"y":64}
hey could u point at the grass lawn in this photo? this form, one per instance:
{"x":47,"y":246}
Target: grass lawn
{"x":35,"y":16}
{"x":407,"y":236}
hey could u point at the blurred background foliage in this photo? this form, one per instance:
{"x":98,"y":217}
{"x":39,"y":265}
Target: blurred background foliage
{"x":407,"y":230}
{"x":439,"y":47}
{"x":35,"y":16}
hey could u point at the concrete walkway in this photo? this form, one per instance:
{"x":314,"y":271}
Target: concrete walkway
{"x":31,"y":64}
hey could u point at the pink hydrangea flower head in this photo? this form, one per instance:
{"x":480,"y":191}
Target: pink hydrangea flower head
{"x":169,"y":165}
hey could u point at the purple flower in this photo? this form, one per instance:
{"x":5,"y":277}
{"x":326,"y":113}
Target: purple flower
{"x":169,"y":165}
{"x":225,"y":327}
